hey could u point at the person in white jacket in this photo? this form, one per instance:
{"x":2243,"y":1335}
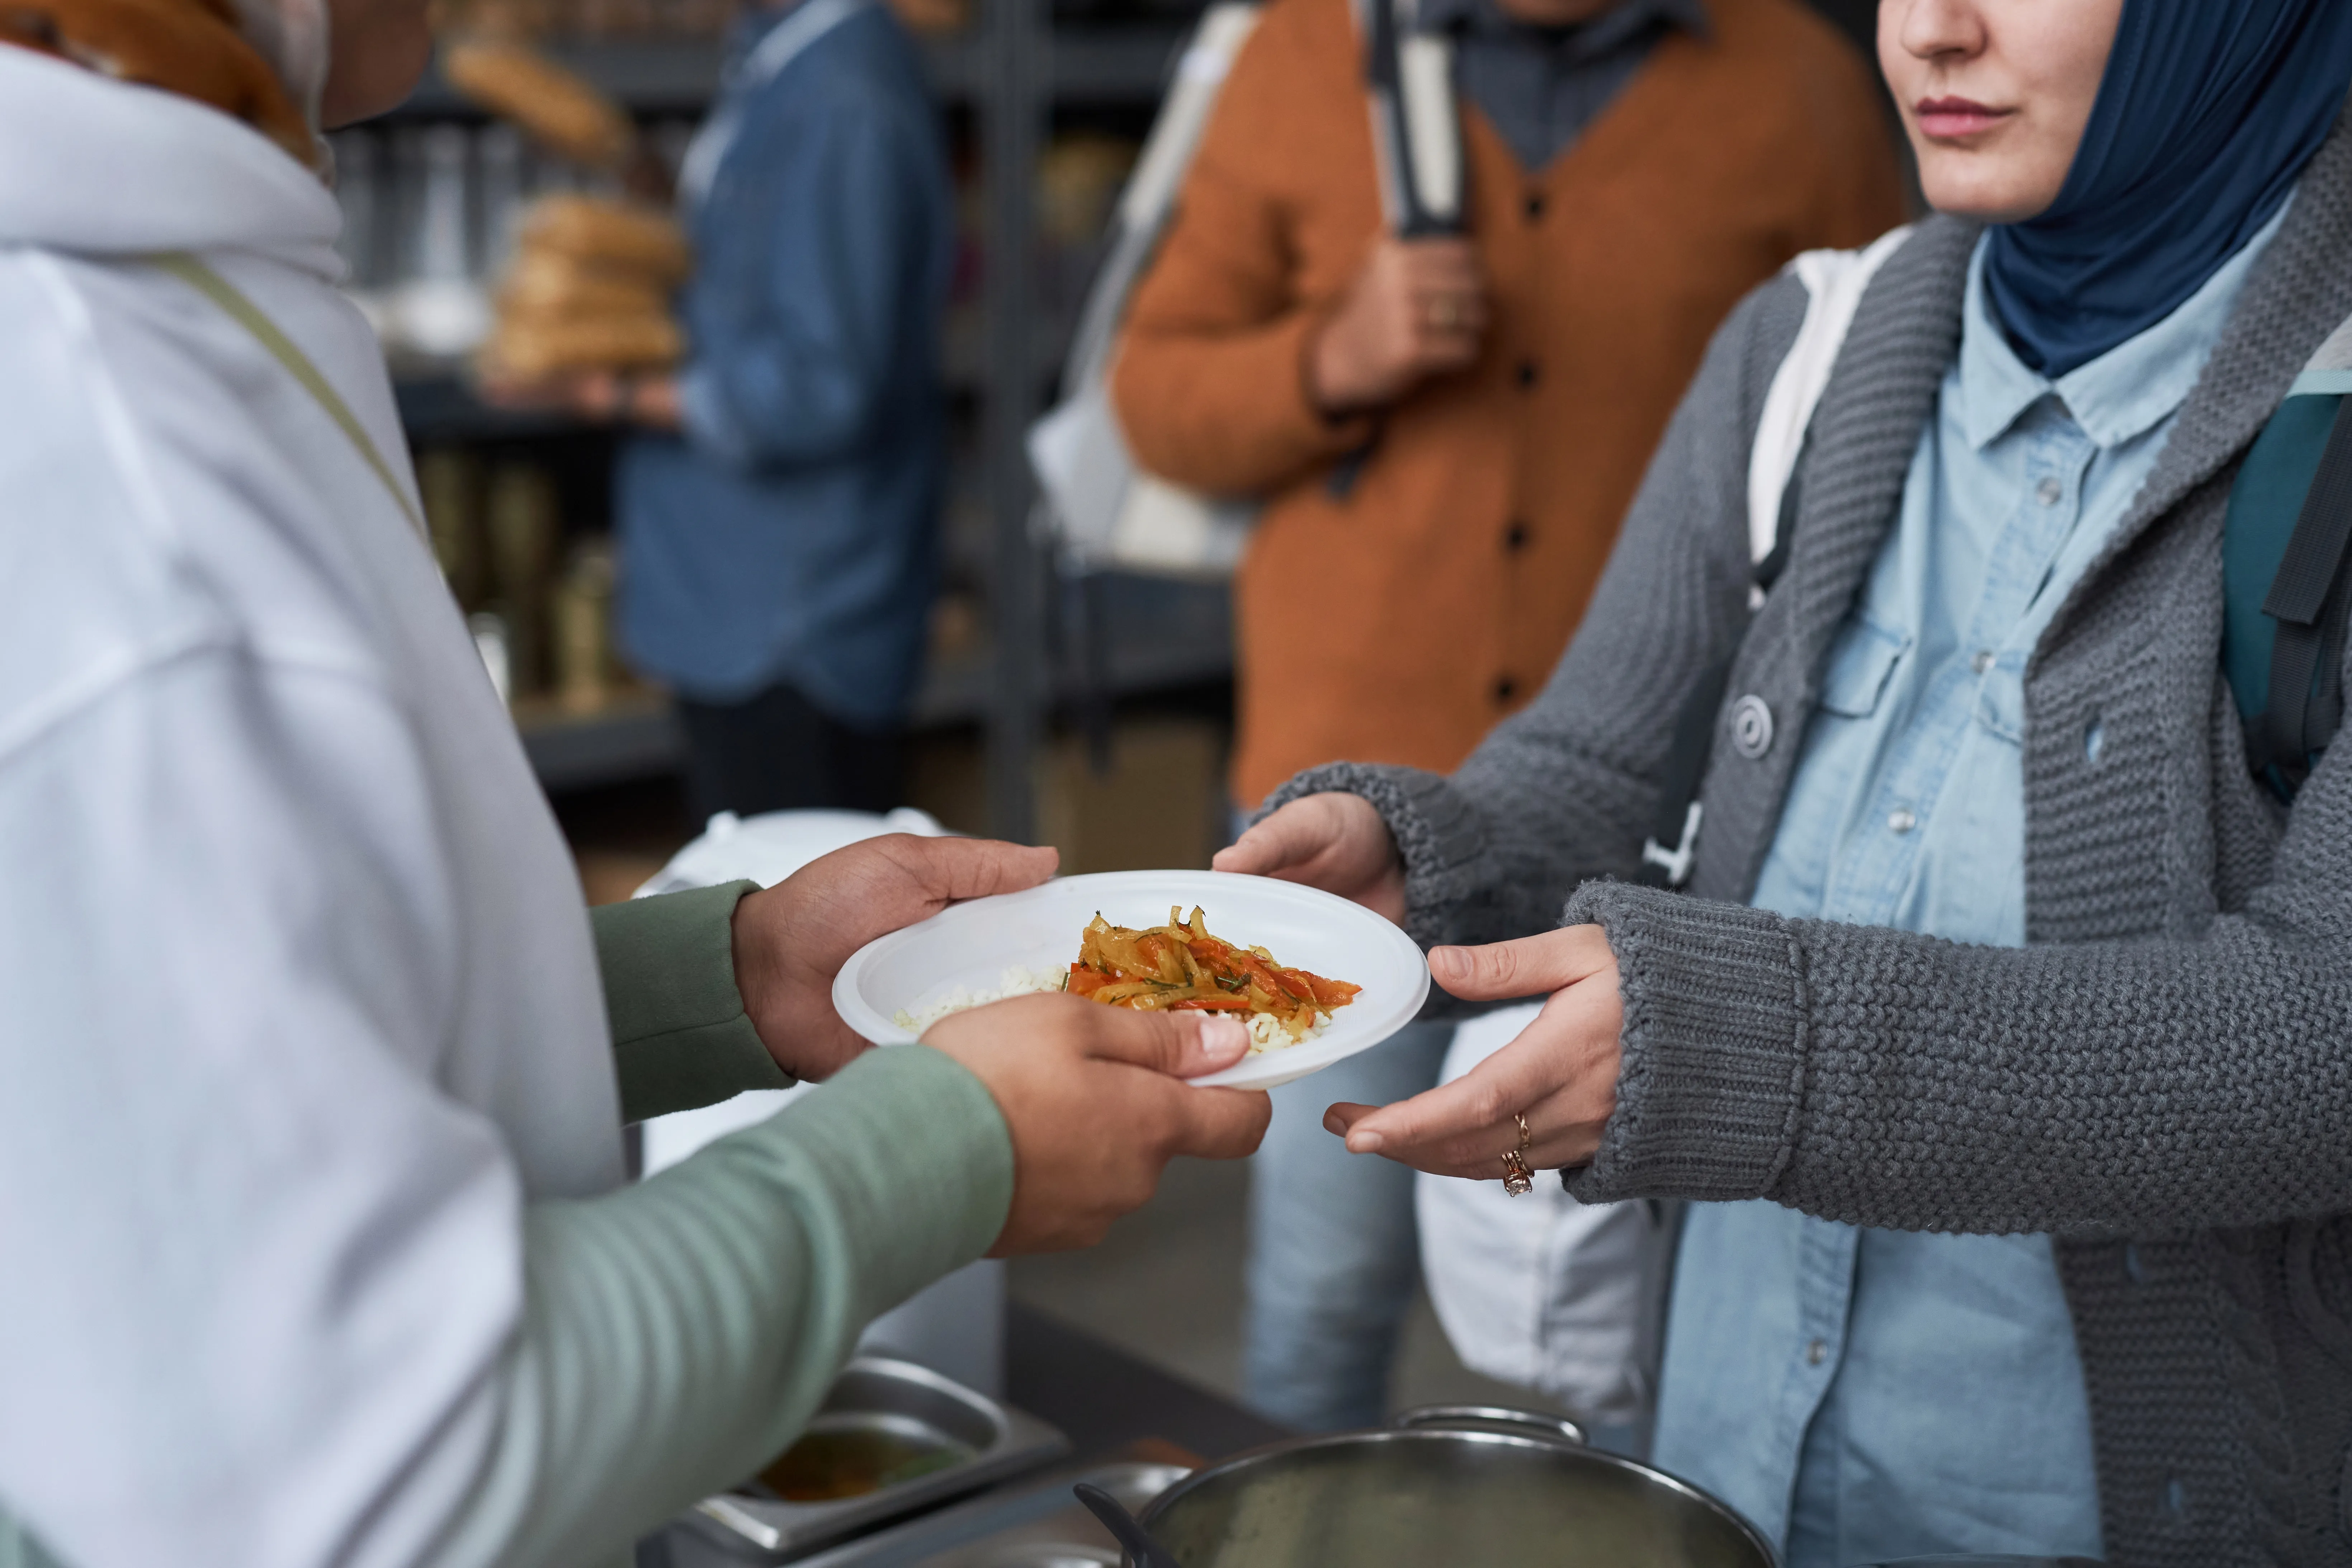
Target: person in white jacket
{"x":314,"y":1247}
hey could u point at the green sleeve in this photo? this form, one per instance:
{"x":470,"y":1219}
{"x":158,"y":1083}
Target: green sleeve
{"x":681,"y":1036}
{"x":678,"y":1333}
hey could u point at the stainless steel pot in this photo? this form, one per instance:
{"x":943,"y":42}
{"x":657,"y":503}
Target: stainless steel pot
{"x":1448,"y":1486}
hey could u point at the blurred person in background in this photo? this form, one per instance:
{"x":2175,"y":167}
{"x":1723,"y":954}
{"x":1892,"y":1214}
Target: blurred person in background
{"x":778,"y":517}
{"x":319,"y":1249}
{"x":1634,"y":166}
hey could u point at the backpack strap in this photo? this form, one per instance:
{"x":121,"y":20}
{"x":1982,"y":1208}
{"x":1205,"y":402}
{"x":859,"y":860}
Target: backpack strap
{"x":2307,"y":598}
{"x":1835,"y":282}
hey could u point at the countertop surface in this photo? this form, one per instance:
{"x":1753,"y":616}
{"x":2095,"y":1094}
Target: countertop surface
{"x":1111,"y":1405}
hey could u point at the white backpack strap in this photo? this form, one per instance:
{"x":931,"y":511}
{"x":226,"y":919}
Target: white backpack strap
{"x":1184,"y":115}
{"x":1416,"y":125}
{"x":1836,"y":280}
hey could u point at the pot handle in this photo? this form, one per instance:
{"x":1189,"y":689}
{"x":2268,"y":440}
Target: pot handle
{"x":1490,"y":1418}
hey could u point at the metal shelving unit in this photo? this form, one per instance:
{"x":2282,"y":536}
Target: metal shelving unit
{"x":1083,"y":63}
{"x":1011,"y":71}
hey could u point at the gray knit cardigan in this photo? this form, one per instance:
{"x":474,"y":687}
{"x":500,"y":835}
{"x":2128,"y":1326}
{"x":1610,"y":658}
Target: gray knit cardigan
{"x":2162,"y":1077}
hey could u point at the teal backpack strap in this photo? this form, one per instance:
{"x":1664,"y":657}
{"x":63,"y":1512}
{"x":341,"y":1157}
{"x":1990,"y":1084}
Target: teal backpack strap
{"x":2285,"y":590}
{"x":2307,"y":599}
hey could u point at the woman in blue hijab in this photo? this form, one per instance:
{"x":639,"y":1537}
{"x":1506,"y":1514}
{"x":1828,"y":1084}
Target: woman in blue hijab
{"x":1996,"y":1018}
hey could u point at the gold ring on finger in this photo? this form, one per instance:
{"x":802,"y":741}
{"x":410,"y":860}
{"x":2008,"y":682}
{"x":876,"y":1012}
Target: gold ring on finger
{"x":1517,"y":1180}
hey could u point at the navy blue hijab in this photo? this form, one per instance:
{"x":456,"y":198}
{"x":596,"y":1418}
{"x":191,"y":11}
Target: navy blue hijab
{"x":2208,"y":112}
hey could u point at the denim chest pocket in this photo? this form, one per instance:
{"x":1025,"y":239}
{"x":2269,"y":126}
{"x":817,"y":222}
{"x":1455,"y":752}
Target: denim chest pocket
{"x":1860,"y":667}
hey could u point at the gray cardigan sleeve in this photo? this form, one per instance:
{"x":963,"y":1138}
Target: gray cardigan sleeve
{"x":1565,"y":790}
{"x":1898,"y":1080}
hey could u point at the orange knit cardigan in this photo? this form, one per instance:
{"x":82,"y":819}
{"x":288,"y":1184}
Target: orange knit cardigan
{"x":1397,"y":623}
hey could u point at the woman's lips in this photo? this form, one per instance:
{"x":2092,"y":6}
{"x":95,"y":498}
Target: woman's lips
{"x":1948,"y":119}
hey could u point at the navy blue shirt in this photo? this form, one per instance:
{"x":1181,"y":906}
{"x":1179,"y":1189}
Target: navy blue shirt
{"x":790,"y":533}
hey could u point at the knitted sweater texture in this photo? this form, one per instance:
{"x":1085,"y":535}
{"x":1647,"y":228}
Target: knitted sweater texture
{"x":2162,"y":1077}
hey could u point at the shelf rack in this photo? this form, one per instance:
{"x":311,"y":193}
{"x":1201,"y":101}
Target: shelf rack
{"x":1011,"y":71}
{"x":1162,"y":637}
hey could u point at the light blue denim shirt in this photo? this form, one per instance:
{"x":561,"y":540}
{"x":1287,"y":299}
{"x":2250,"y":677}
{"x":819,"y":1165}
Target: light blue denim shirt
{"x":1864,"y":1394}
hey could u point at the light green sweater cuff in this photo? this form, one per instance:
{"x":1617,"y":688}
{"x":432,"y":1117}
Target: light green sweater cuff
{"x":681,"y":1036}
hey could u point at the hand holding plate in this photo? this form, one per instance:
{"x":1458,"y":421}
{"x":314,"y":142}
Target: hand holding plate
{"x":790,"y":940}
{"x":1560,"y":1073}
{"x":1333,"y":841}
{"x":1097,"y":1105}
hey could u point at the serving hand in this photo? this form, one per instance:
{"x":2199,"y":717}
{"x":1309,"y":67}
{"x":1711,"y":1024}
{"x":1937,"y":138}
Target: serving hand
{"x":1094,"y":1102}
{"x":793,"y":939}
{"x":1560,"y":1073}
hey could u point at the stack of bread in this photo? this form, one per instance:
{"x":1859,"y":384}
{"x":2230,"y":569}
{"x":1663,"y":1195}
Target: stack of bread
{"x":590,"y":283}
{"x":564,"y":113}
{"x":589,"y":290}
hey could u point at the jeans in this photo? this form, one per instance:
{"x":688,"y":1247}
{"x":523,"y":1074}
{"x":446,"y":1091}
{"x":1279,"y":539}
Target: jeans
{"x":776,"y":750}
{"x":1333,"y":1257}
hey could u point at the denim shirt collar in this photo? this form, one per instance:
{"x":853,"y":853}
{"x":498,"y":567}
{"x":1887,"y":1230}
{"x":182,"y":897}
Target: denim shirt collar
{"x":2118,"y":397}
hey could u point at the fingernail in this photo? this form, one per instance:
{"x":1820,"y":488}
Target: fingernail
{"x":1223,"y":1037}
{"x":1367,"y":1142}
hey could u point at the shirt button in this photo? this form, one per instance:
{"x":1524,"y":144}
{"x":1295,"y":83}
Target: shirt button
{"x":1527,"y":373}
{"x":1506,"y":688}
{"x":1751,"y":727}
{"x":1900,"y":820}
{"x":1817,"y":1352}
{"x":2049,"y":492}
{"x":1515,"y":537}
{"x":1981,"y":660}
{"x":1535,"y":206}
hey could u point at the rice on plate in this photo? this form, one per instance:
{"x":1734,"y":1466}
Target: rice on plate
{"x":1266,"y":1032}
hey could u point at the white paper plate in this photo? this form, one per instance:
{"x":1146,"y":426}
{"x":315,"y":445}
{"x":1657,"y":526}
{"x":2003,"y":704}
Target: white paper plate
{"x":972,"y":944}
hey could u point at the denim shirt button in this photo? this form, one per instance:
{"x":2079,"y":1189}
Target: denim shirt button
{"x":1751,"y":727}
{"x":1817,"y":1352}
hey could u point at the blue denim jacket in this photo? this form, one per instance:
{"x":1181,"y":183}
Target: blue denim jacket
{"x":791,"y":533}
{"x":1870,"y":1395}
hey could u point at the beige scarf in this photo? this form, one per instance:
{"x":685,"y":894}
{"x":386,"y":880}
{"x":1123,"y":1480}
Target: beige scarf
{"x":263,"y":61}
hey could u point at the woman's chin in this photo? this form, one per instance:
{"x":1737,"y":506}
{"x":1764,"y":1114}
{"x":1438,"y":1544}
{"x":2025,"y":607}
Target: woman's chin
{"x":1986,"y":195}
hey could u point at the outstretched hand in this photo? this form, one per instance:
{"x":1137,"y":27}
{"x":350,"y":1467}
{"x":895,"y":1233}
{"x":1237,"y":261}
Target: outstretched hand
{"x":1560,"y":1073}
{"x":793,"y":939}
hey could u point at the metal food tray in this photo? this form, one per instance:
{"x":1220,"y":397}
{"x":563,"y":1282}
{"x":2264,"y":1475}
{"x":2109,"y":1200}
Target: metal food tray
{"x":876,"y":1392}
{"x":1043,"y":1526}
